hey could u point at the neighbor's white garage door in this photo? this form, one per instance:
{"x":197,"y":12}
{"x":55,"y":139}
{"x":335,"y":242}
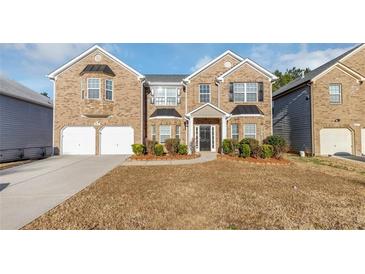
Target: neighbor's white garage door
{"x":335,"y":140}
{"x":116,"y":140}
{"x":363,"y":141}
{"x":78,"y":140}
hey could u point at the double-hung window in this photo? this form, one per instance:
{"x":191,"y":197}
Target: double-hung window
{"x":234,"y":132}
{"x":245,"y":92}
{"x":165,"y":96}
{"x":165,"y":133}
{"x":204,"y":93}
{"x":335,"y":93}
{"x":109,"y":89}
{"x":250,"y":131}
{"x":177,"y":132}
{"x":93,"y":88}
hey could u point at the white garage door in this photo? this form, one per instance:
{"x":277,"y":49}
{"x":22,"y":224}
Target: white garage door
{"x":78,"y":140}
{"x":116,"y":140}
{"x":335,"y":141}
{"x":363,"y":141}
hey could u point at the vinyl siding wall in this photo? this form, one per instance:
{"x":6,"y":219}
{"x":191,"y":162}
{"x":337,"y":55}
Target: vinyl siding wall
{"x":25,"y":129}
{"x":292,"y":119}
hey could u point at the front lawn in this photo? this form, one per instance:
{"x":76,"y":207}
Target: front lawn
{"x":217,"y":195}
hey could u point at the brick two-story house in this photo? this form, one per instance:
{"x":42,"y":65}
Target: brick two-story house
{"x":102,"y":105}
{"x":323,"y":112}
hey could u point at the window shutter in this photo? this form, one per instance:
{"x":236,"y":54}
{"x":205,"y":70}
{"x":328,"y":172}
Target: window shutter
{"x":231,"y":92}
{"x":178,"y":92}
{"x":261,"y":91}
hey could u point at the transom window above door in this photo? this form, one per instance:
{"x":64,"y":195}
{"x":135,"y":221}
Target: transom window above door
{"x":245,"y":92}
{"x":165,"y":96}
{"x":204,"y":93}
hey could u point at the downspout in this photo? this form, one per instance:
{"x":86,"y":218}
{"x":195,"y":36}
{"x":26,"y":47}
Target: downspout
{"x":186,"y":111}
{"x":219,"y":94}
{"x":142,"y":109}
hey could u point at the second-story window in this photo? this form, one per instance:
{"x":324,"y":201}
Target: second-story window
{"x":245,"y":92}
{"x":109,"y":89}
{"x":165,"y":96}
{"x":204,"y":93}
{"x":93,"y":88}
{"x":335,"y":93}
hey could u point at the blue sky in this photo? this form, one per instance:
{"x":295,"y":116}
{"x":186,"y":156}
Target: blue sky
{"x":30,"y":63}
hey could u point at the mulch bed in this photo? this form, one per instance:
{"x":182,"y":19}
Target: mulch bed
{"x":165,"y":157}
{"x":251,"y":160}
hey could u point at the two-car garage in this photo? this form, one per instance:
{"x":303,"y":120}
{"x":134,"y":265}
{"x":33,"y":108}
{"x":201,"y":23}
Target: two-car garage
{"x":81,"y":140}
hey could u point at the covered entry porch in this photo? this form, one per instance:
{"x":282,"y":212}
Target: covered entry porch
{"x":207,"y":128}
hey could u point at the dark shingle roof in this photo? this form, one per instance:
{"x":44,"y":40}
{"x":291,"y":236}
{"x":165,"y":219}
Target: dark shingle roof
{"x":14,"y":89}
{"x":246,"y":109}
{"x":169,"y":112}
{"x":310,"y":75}
{"x":172,"y":78}
{"x":98,"y":68}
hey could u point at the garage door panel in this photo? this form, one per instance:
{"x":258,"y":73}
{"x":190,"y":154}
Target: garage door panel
{"x":335,"y":141}
{"x":78,"y":141}
{"x":116,"y":140}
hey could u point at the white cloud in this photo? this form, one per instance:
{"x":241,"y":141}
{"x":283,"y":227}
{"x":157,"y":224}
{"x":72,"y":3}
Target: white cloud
{"x":201,"y":62}
{"x":311,"y":59}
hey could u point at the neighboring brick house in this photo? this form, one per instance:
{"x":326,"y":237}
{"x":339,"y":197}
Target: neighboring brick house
{"x":102,"y":105}
{"x":323,"y":112}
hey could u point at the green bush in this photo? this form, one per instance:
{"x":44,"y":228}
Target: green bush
{"x":172,"y":145}
{"x":150,"y":146}
{"x":254,"y":146}
{"x":267,"y":151}
{"x":245,"y":150}
{"x":183,"y":149}
{"x":158,"y":150}
{"x":227,"y":146}
{"x":278,"y":143}
{"x":138,"y":149}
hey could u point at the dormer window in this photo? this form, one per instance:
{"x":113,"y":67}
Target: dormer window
{"x":93,"y":88}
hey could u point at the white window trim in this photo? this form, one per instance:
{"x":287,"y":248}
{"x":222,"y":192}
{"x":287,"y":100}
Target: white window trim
{"x":178,"y":126}
{"x":329,"y":87}
{"x":153,"y":134}
{"x":210,"y":93}
{"x":245,"y":92}
{"x":87,"y":90}
{"x":244,"y":130}
{"x":232,"y":131}
{"x":160,"y":132}
{"x":111,"y":90}
{"x":165,"y":89}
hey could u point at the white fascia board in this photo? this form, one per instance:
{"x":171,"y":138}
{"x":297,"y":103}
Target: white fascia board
{"x":257,"y":67}
{"x":352,"y":53}
{"x":341,"y":68}
{"x":247,"y":115}
{"x":53,"y":74}
{"x":212,"y":62}
{"x":207,"y":104}
{"x":164,"y":117}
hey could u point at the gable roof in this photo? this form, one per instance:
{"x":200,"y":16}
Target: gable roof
{"x":53,"y":74}
{"x":212,"y":62}
{"x":314,"y":73}
{"x":207,"y":105}
{"x":271,"y":76}
{"x":13,"y":89}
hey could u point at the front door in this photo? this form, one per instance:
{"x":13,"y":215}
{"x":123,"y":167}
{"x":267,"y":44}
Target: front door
{"x":204,"y":138}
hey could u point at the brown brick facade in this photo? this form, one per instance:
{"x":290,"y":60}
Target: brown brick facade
{"x":73,"y":109}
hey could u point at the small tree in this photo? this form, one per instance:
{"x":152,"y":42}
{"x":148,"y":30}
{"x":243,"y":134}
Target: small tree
{"x":279,"y":145}
{"x":45,"y":94}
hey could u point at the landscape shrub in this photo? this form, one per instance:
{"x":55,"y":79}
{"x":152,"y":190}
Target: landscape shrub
{"x":228,"y":146}
{"x":279,"y":145}
{"x":158,"y":150}
{"x":150,"y":146}
{"x":183,"y":149}
{"x":138,"y":149}
{"x":267,"y":151}
{"x":172,"y":145}
{"x":245,"y":150}
{"x":254,"y":146}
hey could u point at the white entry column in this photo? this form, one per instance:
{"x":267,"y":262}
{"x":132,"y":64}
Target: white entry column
{"x":191,"y":133}
{"x":224,"y":128}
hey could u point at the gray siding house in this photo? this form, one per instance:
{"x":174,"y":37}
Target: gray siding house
{"x":25,"y":122}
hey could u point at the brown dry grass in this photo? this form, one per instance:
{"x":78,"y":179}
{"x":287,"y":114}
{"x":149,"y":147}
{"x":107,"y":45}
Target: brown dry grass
{"x":217,"y":195}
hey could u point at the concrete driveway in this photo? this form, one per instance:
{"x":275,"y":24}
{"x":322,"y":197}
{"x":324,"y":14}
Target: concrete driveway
{"x":30,"y":190}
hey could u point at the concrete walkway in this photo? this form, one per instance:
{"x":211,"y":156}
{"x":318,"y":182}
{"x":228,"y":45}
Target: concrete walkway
{"x":30,"y":190}
{"x":204,"y":157}
{"x":352,"y":158}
